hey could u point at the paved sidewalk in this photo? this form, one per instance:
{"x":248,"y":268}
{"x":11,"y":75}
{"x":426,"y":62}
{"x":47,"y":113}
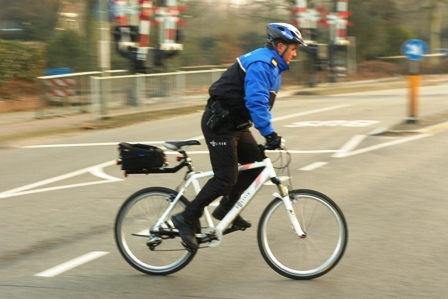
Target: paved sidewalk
{"x":20,"y":125}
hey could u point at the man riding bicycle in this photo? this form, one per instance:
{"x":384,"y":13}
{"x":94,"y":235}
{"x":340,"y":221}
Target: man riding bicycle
{"x":244,"y":95}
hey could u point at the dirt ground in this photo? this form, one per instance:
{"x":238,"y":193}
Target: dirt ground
{"x":18,"y":95}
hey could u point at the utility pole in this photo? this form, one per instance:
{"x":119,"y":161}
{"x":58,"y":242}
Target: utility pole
{"x":435,"y":21}
{"x":104,"y":36}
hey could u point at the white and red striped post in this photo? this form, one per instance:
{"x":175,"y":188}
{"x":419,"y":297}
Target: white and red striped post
{"x":120,"y":15}
{"x":171,"y":20}
{"x":300,"y":12}
{"x":338,"y":22}
{"x":145,"y":22}
{"x":341,"y":22}
{"x":167,"y":18}
{"x":170,"y":30}
{"x":307,"y":18}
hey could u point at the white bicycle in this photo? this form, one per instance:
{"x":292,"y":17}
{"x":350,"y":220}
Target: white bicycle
{"x":302,"y":234}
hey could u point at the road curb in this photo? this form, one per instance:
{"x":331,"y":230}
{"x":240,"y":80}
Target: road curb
{"x":431,"y":129}
{"x":426,"y":130}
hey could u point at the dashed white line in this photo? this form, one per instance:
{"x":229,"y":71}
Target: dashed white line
{"x":313,"y":166}
{"x":72,"y":264}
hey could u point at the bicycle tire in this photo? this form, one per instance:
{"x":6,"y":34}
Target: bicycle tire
{"x":137,"y":214}
{"x":303,"y":258}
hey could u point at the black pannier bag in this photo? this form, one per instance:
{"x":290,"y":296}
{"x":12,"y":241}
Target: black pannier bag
{"x":140,"y":158}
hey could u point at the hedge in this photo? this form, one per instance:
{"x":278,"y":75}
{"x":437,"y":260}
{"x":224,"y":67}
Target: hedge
{"x":21,"y":60}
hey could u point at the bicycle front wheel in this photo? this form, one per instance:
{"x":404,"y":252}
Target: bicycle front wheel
{"x":303,"y":258}
{"x":150,"y":253}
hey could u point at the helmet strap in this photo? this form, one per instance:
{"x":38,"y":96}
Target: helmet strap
{"x":284,"y":51}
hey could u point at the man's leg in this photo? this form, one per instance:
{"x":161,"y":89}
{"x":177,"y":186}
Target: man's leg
{"x":248,"y":152}
{"x":222,"y":146}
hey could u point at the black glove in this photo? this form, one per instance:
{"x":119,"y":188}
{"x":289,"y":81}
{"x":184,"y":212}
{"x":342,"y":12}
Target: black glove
{"x":273,"y":141}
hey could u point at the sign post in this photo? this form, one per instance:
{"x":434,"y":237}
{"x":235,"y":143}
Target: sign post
{"x":414,"y":50}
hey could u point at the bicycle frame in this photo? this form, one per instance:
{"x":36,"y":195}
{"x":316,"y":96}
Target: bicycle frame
{"x":267,"y":173}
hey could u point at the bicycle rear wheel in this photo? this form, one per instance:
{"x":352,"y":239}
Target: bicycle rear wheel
{"x":134,"y":219}
{"x":309,"y":257}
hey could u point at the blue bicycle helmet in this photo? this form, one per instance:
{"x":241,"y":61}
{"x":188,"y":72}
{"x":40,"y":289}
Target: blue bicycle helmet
{"x":287,"y":33}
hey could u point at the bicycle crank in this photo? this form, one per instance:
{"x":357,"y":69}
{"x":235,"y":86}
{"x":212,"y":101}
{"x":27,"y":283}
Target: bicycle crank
{"x":212,"y":237}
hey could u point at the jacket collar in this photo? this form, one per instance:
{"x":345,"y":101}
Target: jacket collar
{"x":282,"y":66}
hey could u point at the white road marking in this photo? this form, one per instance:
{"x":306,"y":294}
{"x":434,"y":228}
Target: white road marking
{"x":98,"y":171}
{"x":87,"y":144}
{"x":332,"y":123}
{"x":54,"y":188}
{"x":309,"y":112}
{"x":189,"y":152}
{"x":378,"y":146}
{"x":100,"y":143}
{"x":349,"y":145}
{"x":344,"y":151}
{"x":312,"y":152}
{"x":313,"y":166}
{"x":20,"y":190}
{"x":200,"y":137}
{"x":72,"y":264}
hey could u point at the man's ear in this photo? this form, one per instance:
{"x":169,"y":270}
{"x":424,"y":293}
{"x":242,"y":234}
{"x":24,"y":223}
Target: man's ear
{"x":280,"y":47}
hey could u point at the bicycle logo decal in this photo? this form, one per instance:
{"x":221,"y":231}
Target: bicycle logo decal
{"x":214,"y":143}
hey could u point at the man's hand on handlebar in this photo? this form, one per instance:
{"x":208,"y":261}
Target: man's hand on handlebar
{"x":274,"y":141}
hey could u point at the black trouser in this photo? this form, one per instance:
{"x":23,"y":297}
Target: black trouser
{"x":227,"y":147}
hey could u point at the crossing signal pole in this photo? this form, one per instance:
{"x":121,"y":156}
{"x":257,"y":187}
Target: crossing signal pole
{"x":307,"y":19}
{"x":133,"y":19}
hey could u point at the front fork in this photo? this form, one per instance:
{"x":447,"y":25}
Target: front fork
{"x":287,"y":201}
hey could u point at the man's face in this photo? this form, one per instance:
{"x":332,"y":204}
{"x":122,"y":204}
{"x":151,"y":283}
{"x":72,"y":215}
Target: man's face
{"x":290,"y":52}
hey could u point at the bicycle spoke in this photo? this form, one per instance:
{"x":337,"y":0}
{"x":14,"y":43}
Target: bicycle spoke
{"x":137,"y":245}
{"x":309,"y":257}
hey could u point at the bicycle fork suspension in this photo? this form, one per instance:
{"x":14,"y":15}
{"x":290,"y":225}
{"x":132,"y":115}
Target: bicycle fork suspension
{"x":290,"y":210}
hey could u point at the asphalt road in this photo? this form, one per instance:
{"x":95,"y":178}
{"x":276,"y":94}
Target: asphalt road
{"x":59,"y":197}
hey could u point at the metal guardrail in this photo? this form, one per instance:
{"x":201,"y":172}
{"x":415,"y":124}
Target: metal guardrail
{"x":143,"y":92}
{"x":66,"y":94}
{"x":104,"y":94}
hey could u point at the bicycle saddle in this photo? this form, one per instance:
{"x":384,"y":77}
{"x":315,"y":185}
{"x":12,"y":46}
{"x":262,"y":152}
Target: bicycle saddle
{"x":177,"y":145}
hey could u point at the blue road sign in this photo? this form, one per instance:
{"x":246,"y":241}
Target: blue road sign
{"x":414,"y":49}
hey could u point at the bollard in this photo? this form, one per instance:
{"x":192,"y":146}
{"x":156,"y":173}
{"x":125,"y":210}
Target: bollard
{"x":414,"y":50}
{"x":414,"y":83}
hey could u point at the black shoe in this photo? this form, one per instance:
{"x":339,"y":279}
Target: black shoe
{"x":187,"y":231}
{"x":220,"y":212}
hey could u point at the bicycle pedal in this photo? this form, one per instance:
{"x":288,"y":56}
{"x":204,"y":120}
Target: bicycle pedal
{"x":234,"y":228}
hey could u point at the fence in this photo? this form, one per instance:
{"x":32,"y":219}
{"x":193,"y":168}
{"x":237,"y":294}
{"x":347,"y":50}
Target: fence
{"x":66,"y":94}
{"x":128,"y":94}
{"x":108,"y":94}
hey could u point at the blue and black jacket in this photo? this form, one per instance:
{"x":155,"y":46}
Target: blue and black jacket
{"x":250,"y":85}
